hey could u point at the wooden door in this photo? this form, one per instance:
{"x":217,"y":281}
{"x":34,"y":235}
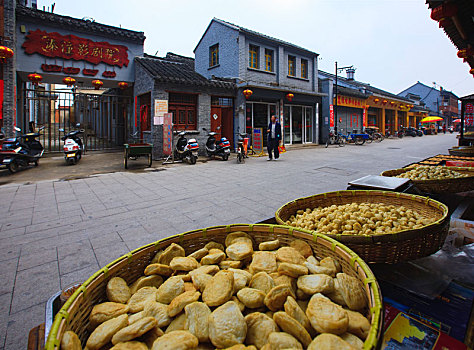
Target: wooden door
{"x":216,"y":121}
{"x":228,"y":124}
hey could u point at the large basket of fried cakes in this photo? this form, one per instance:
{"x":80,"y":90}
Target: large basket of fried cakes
{"x":227,"y":287}
{"x":380,"y":226}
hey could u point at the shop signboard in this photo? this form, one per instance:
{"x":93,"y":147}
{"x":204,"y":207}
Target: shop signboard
{"x":469,"y":115}
{"x":71,"y":47}
{"x":257,"y":140}
{"x":347,"y":101}
{"x":167,"y":133}
{"x":364,"y":118}
{"x":331,"y":116}
{"x":161,"y":107}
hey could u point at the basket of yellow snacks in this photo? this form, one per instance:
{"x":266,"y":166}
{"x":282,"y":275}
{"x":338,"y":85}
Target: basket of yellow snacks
{"x":437,"y":179}
{"x":236,"y":286}
{"x":380,"y":226}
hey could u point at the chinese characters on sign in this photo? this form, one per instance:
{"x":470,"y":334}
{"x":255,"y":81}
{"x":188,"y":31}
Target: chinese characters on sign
{"x":167,"y":133}
{"x":72,"y":47}
{"x":161,"y":107}
{"x":331,"y":116}
{"x":350,"y":101}
{"x":257,"y":140}
{"x":469,"y":115}
{"x":364,"y":117}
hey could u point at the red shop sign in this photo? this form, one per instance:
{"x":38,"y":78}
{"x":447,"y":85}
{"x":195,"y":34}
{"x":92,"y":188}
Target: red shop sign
{"x":75,"y":48}
{"x":331,"y":116}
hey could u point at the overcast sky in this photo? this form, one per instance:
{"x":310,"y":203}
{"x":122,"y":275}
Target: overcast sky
{"x":392,"y":43}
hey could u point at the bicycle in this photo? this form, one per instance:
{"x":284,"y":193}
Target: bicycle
{"x":374,"y":135}
{"x":334,"y":139}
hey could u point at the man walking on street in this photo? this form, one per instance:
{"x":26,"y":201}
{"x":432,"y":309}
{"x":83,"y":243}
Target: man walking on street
{"x":274,"y":137}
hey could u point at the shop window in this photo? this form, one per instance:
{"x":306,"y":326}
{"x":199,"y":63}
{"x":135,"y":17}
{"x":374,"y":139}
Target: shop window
{"x":253,"y":56}
{"x":269,"y":60}
{"x":214,"y":55}
{"x":291,"y":66}
{"x":183,"y":107}
{"x":304,"y":68}
{"x":221,"y":101}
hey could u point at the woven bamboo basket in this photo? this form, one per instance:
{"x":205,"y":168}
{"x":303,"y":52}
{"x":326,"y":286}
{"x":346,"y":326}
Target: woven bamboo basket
{"x":461,"y":184}
{"x":74,"y":315}
{"x":382,"y":248}
{"x":462,"y":152}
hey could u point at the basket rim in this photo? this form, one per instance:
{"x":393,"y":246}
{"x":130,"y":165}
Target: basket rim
{"x":433,"y":181}
{"x":397,"y":236}
{"x":370,"y":281}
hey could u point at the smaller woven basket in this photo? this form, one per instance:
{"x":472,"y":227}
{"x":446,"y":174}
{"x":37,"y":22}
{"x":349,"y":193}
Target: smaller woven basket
{"x":462,"y":152}
{"x":461,"y":184}
{"x":74,"y":315}
{"x":382,"y":248}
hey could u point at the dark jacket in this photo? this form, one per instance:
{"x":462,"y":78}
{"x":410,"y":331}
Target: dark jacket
{"x":277,"y":131}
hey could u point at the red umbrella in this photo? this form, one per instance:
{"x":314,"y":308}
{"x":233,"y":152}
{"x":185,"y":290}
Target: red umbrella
{"x":457,"y":120}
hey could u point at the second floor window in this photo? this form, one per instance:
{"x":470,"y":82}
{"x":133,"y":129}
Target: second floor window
{"x":304,"y":69}
{"x":214,"y":55}
{"x":292,"y":66}
{"x":269,"y":60}
{"x":253,"y":56}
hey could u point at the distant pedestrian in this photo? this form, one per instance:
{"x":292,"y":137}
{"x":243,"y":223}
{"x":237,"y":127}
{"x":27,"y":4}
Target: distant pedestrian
{"x":444,"y":128}
{"x":274,"y":137}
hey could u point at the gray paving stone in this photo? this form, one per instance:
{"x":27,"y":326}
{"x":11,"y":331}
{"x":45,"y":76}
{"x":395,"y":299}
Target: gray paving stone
{"x":104,"y":239}
{"x":78,"y":276}
{"x":19,"y":325}
{"x":75,"y":256}
{"x":5,"y":302}
{"x":34,"y":286}
{"x":37,"y":257}
{"x":7,"y":275}
{"x":111,"y":252}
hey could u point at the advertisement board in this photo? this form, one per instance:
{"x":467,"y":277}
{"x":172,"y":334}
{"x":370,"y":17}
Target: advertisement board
{"x":167,"y":133}
{"x":331,"y":116}
{"x":257,"y":140}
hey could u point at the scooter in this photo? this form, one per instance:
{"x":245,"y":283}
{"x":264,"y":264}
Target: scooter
{"x":21,"y":151}
{"x":73,"y":146}
{"x":220,"y":148}
{"x":241,"y":148}
{"x":186,"y":149}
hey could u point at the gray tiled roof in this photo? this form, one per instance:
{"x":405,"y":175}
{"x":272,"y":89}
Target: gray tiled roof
{"x":173,"y":71}
{"x":80,"y":25}
{"x":252,"y":32}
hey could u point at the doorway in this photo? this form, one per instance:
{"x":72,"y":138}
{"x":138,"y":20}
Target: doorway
{"x":258,"y":116}
{"x":298,"y":124}
{"x":222,"y":117}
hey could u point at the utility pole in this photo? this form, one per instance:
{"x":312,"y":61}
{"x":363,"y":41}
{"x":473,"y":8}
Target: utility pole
{"x":335,"y":94}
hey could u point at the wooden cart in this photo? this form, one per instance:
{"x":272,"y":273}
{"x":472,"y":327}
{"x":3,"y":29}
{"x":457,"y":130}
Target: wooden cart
{"x":136,"y":150}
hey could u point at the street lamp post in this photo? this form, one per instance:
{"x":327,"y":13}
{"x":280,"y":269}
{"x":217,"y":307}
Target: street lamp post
{"x":338,"y":69}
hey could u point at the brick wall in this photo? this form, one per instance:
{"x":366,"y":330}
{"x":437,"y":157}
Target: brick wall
{"x":9,"y":75}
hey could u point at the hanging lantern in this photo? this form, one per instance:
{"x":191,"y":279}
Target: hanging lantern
{"x":444,"y":10}
{"x":466,"y":53}
{"x":5,"y":52}
{"x":385,"y":101}
{"x":97,"y":83}
{"x":376,"y":99}
{"x":289,"y":96}
{"x":444,"y":22}
{"x":247,"y":93}
{"x":69,"y":81}
{"x":471,"y":71}
{"x":123,"y":85}
{"x":35,"y":78}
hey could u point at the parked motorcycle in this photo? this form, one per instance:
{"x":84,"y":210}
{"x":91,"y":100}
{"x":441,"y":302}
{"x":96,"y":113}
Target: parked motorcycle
{"x":241,"y":148}
{"x":451,"y":129}
{"x":73,"y":146}
{"x":21,"y":151}
{"x":186,"y":149}
{"x":410,"y":131}
{"x":220,"y":148}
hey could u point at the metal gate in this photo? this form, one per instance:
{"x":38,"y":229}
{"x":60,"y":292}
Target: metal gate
{"x":104,"y":117}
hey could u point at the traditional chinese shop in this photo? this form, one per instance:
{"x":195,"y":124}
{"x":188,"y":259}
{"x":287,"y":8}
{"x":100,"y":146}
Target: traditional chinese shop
{"x":351,"y":114}
{"x":73,"y":71}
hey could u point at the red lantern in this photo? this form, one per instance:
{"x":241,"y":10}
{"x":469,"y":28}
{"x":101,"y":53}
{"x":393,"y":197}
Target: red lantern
{"x":123,"y":85}
{"x":447,"y":9}
{"x":97,"y":84}
{"x":69,"y":81}
{"x":376,"y":99}
{"x":289,"y":96}
{"x":6,"y":52}
{"x":471,"y":71}
{"x":247,"y":93}
{"x":466,"y":53}
{"x":35,"y":78}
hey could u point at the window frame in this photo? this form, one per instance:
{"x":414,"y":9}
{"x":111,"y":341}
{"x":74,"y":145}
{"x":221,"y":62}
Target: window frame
{"x":256,"y":59}
{"x":187,"y":104}
{"x":269,"y":53}
{"x":292,"y":58}
{"x":305,"y":64}
{"x":212,"y":49}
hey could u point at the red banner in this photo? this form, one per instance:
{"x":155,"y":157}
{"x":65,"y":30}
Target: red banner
{"x":71,"y":47}
{"x":364,"y":117}
{"x":331,"y":116}
{"x":167,"y":133}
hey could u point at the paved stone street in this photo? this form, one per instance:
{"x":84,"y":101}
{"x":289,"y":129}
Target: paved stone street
{"x":53,"y":233}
